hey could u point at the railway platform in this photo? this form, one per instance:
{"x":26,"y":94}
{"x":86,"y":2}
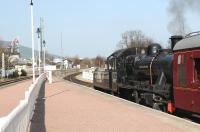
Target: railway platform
{"x":67,"y":107}
{"x":10,"y":96}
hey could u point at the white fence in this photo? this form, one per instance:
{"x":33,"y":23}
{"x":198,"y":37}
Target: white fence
{"x":88,"y":74}
{"x":18,"y":120}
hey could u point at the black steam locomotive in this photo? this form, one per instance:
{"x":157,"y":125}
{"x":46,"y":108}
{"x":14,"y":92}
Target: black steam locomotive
{"x":145,"y":78}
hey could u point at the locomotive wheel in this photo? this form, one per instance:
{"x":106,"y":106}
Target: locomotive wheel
{"x":156,"y":106}
{"x":164,"y":108}
{"x":122,"y":93}
{"x":159,"y":107}
{"x":137,"y":99}
{"x":112,"y":92}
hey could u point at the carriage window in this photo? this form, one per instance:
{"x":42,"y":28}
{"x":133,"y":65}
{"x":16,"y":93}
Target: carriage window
{"x":182,"y":72}
{"x":197,"y":67}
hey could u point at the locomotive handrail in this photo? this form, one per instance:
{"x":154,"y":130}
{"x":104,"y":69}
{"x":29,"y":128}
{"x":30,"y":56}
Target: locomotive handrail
{"x":192,"y":34}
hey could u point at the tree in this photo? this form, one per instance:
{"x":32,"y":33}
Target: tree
{"x":135,"y":38}
{"x":99,"y":61}
{"x":49,"y":58}
{"x":85,"y":63}
{"x":76,"y":60}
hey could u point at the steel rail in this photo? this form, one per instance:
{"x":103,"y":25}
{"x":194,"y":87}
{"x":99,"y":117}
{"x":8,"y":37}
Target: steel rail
{"x":10,"y":81}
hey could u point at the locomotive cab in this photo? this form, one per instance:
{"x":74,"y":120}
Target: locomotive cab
{"x":110,"y":78}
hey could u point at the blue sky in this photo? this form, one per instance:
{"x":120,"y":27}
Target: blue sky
{"x":89,"y":27}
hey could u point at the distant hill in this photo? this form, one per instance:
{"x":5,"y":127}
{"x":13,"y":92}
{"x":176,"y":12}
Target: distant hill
{"x":25,"y":52}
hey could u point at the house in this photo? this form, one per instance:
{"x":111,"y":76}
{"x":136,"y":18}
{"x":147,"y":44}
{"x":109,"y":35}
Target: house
{"x":67,"y":63}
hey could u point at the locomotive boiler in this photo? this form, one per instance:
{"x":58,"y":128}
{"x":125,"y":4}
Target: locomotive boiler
{"x":150,"y":66}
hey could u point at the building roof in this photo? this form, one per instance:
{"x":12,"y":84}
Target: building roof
{"x":190,"y":42}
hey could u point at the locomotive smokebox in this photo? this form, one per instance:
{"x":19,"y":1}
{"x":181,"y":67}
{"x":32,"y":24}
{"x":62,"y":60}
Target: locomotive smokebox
{"x":175,"y":39}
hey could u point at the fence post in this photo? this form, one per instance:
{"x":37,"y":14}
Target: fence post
{"x":50,"y":77}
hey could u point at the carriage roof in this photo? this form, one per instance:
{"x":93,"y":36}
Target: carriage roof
{"x":189,"y":42}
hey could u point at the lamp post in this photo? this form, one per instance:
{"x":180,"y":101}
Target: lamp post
{"x":61,"y":51}
{"x":38,"y":32}
{"x":3,"y":66}
{"x":44,"y":44}
{"x":32,"y":36}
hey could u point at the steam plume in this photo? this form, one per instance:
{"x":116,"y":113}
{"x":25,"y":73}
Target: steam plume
{"x":177,"y":10}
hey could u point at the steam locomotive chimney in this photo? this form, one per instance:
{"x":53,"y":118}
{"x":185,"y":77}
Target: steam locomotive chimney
{"x":175,"y":39}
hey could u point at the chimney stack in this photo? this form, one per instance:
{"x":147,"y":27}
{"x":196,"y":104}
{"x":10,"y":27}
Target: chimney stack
{"x":175,"y":39}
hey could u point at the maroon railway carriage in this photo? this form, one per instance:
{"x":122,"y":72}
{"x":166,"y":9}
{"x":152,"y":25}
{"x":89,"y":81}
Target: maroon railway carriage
{"x":186,"y":74}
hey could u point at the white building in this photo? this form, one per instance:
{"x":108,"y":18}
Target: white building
{"x":67,"y":63}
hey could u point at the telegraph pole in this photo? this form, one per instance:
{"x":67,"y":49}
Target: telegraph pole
{"x":39,"y":59}
{"x":61,"y":45}
{"x":41,"y":39}
{"x":44,"y":44}
{"x":32,"y":35}
{"x":61,"y":51}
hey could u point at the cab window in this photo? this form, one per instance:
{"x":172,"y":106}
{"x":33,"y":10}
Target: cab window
{"x":197,"y":68}
{"x":182,"y":70}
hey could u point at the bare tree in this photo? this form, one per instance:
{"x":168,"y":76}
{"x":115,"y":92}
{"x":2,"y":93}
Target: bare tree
{"x":49,"y":58}
{"x":135,"y":38}
{"x":85,"y":63}
{"x":100,"y":61}
{"x":76,"y":60}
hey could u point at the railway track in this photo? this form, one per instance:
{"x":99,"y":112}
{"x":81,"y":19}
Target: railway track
{"x":72,"y":78}
{"x":11,"y":81}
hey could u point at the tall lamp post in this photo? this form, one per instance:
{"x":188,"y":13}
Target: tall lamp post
{"x":32,"y":33}
{"x":3,"y":66}
{"x":39,"y":59}
{"x":44,"y":45}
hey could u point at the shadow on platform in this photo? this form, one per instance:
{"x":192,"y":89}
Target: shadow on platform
{"x":38,"y":120}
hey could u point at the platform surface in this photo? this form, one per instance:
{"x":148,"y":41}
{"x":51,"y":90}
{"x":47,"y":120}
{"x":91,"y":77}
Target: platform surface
{"x":11,"y":95}
{"x":67,"y":107}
